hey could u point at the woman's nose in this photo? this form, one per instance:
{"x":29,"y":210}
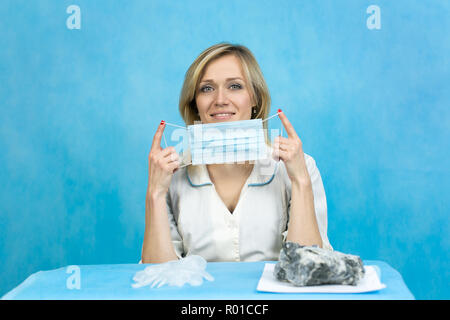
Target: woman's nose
{"x":221,"y":96}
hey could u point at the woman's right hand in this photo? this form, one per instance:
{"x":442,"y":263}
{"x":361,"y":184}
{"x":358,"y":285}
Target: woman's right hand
{"x":162,"y":163}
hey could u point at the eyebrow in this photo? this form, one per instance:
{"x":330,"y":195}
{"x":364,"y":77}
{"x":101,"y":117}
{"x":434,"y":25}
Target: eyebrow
{"x":227,"y":79}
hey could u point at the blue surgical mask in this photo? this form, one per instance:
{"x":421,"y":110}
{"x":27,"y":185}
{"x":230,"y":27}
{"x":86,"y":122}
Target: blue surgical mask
{"x":222,"y":142}
{"x":227,"y":142}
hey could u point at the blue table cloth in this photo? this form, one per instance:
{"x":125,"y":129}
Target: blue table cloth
{"x":232,"y":281}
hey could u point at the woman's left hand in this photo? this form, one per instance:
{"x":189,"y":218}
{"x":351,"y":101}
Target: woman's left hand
{"x":290,"y":150}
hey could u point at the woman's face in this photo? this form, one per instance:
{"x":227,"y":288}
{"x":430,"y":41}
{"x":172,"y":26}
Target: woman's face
{"x":223,"y":94}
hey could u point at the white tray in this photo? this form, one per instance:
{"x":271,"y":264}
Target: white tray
{"x":268,"y":283}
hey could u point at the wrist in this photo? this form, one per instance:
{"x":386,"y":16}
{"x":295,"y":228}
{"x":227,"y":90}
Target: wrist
{"x":155,"y":195}
{"x":155,"y":204}
{"x":301,"y":182}
{"x":299,"y":175}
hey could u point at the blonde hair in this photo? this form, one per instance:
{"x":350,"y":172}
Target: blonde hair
{"x":254,"y":77}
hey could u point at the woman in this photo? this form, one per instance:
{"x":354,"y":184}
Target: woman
{"x":232,"y":211}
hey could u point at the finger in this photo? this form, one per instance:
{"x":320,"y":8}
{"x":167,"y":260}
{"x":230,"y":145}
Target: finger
{"x":161,"y":158}
{"x":173,"y":156}
{"x":287,"y":124}
{"x":167,"y":151}
{"x":173,"y":166}
{"x":278,"y":154}
{"x":283,"y":144}
{"x":276,"y":147}
{"x":169,"y":166}
{"x":284,"y":147}
{"x":281,"y":139}
{"x":275,"y":155}
{"x":284,"y":150}
{"x":168,"y":154}
{"x":156,"y":144}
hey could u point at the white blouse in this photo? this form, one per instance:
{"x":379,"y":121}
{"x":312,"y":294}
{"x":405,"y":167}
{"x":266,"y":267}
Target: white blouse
{"x":201,"y":224}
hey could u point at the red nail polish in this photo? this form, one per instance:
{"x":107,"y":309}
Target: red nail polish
{"x":279,"y":110}
{"x":162,"y":122}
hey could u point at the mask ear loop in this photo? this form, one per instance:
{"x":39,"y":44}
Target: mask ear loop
{"x":164,"y":136}
{"x":276,"y":114}
{"x":271,"y":118}
{"x":175,"y":125}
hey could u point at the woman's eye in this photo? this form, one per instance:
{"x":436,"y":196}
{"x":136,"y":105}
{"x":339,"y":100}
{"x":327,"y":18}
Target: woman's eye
{"x":205,"y":89}
{"x":234,"y":86}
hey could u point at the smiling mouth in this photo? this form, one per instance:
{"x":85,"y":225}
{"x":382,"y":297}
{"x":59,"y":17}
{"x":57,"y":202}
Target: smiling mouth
{"x":222,"y":115}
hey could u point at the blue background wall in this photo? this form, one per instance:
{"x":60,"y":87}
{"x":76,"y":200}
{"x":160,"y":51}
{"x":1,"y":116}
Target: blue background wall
{"x":79,"y":108}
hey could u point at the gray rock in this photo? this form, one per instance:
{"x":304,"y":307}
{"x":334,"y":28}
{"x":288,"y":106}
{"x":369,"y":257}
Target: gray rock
{"x":312,"y":266}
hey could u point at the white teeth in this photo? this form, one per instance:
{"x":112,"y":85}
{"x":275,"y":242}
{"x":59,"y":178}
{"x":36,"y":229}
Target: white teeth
{"x":223,"y":114}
